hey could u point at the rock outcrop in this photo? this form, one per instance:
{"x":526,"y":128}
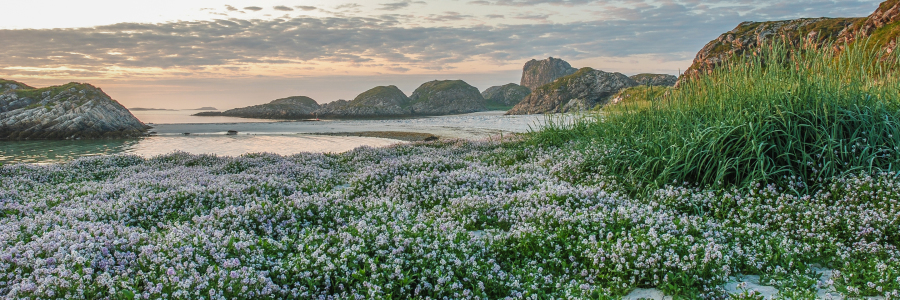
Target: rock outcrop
{"x":537,"y":73}
{"x":584,"y":90}
{"x":747,"y":37}
{"x":444,"y":97}
{"x":506,"y":95}
{"x":655,"y":79}
{"x":382,"y":101}
{"x":292,"y":108}
{"x":876,"y":26}
{"x":70,"y":111}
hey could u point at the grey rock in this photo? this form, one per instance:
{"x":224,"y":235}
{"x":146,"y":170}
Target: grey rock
{"x":443,"y":97}
{"x":537,"y":73}
{"x":381,"y":101}
{"x":505,"y":95}
{"x":584,"y":90}
{"x":655,"y":79}
{"x":297,"y":107}
{"x":71,"y":111}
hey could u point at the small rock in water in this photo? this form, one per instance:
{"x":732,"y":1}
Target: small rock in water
{"x":232,"y":132}
{"x":186,"y":133}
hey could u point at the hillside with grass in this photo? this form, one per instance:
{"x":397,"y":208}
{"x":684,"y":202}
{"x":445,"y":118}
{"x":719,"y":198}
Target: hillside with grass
{"x":444,"y":97}
{"x":291,"y":108}
{"x":377,"y":102}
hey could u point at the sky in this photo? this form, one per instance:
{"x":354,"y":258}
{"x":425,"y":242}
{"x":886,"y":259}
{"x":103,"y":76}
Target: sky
{"x":185,"y":54}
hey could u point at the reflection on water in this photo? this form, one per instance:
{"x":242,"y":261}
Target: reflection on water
{"x":61,"y":151}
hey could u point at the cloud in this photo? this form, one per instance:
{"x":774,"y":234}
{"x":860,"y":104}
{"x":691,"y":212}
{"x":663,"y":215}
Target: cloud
{"x":667,"y":29}
{"x":399,"y":5}
{"x":282,"y":8}
{"x":495,"y":16}
{"x":447,"y":16}
{"x":348,"y":6}
{"x":230,"y":8}
{"x":532,"y":2}
{"x":532,"y":16}
{"x":253,"y":8}
{"x":305,"y":8}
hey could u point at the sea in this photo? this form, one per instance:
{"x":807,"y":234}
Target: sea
{"x":178,"y":130}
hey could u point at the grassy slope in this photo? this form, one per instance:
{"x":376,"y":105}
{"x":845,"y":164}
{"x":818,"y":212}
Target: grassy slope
{"x":809,"y":119}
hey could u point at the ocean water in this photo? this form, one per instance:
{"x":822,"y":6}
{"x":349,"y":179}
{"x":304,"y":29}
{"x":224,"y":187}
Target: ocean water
{"x":207,"y":135}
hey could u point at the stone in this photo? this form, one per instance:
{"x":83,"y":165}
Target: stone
{"x":537,"y":73}
{"x":584,"y":90}
{"x":655,"y":79}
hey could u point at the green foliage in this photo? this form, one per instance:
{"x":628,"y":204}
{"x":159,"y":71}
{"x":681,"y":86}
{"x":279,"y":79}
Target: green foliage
{"x":781,"y":114}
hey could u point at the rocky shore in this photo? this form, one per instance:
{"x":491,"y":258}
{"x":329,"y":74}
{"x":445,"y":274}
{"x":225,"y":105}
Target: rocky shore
{"x":70,"y":111}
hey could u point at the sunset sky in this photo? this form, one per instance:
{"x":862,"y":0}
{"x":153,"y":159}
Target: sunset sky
{"x":186,"y":54}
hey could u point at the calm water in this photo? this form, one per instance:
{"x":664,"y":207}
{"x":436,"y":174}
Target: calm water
{"x":207,"y":135}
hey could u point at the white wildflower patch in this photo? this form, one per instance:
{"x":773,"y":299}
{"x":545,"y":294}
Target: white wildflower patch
{"x":451,"y":220}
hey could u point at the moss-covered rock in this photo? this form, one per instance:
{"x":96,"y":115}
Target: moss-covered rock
{"x":292,"y":108}
{"x":744,"y":39}
{"x":584,"y":90}
{"x":881,"y":27}
{"x":70,"y":111}
{"x":444,"y":97}
{"x":655,"y":79}
{"x":505,"y":96}
{"x":381,"y":101}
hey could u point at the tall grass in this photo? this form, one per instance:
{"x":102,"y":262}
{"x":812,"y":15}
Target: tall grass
{"x":791,"y":117}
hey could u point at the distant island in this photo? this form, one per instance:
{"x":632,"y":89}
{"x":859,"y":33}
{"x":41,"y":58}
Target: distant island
{"x":204,"y":108}
{"x":150,"y":109}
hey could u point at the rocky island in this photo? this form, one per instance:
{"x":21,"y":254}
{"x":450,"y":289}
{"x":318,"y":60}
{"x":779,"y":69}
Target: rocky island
{"x":381,"y":101}
{"x":70,"y":111}
{"x":444,"y":97}
{"x":537,"y":73}
{"x":583,"y":90}
{"x":504,"y":97}
{"x":297,"y":107}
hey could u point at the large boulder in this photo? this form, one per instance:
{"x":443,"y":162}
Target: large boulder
{"x":292,"y":108}
{"x":655,"y":79}
{"x":506,"y":95}
{"x":382,"y":101}
{"x":444,"y":97}
{"x":747,"y":37}
{"x":70,"y":111}
{"x":584,"y":90}
{"x":537,"y":73}
{"x":875,"y":26}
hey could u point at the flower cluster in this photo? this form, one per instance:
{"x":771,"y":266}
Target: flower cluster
{"x":460,"y":220}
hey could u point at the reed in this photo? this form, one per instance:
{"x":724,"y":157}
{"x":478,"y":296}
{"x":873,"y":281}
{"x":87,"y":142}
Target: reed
{"x":792,"y":117}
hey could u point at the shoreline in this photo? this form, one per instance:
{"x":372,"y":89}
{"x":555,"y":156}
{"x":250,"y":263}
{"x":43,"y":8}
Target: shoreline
{"x":394,"y":135}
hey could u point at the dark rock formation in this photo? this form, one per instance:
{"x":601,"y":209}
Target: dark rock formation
{"x":750,"y":36}
{"x":70,"y":111}
{"x":382,"y":101}
{"x":537,"y":73}
{"x":297,"y":107}
{"x":506,"y":95}
{"x":444,"y":97}
{"x":584,"y":90}
{"x":876,"y":26}
{"x":655,"y":79}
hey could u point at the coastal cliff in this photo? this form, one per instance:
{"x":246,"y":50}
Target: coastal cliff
{"x":444,"y":97}
{"x":744,"y":39}
{"x":537,"y":73}
{"x":583,"y":90}
{"x":70,"y":111}
{"x":297,"y":107}
{"x":881,"y":26}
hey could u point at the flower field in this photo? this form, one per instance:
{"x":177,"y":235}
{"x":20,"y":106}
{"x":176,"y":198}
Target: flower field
{"x":440,"y":220}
